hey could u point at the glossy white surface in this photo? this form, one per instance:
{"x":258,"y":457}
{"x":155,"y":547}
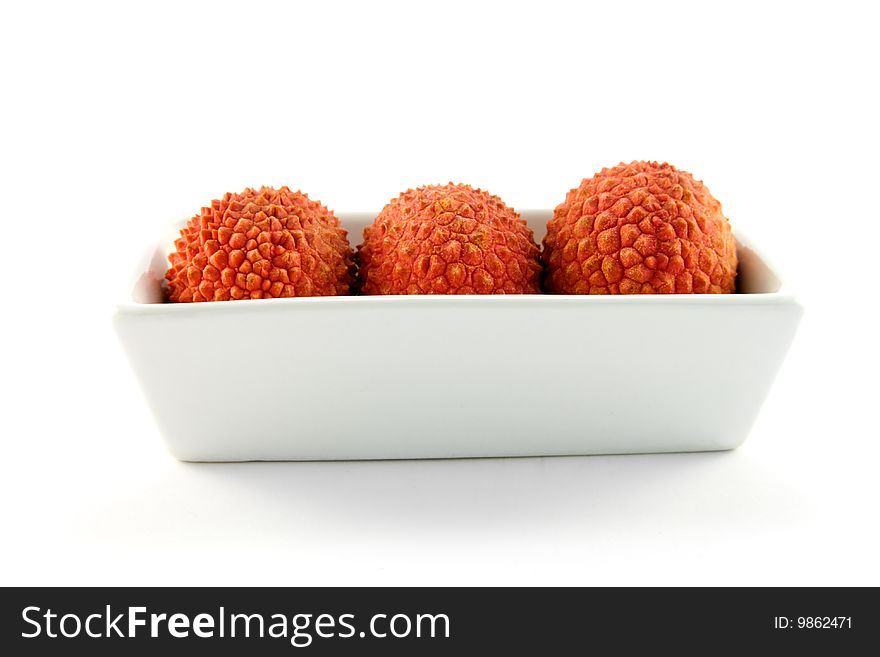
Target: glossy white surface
{"x":446,"y":376}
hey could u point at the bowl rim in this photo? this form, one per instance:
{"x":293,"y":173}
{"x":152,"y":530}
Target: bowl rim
{"x":534,"y":217}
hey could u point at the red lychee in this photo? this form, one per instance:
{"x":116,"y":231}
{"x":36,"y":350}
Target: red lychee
{"x":260,"y":244}
{"x":448,"y":239}
{"x":639,"y":228}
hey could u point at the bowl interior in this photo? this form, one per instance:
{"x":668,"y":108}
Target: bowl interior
{"x":754,"y":275}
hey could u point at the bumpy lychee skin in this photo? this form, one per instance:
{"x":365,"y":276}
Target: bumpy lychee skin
{"x":448,"y":239}
{"x":260,"y":244}
{"x":639,"y":228}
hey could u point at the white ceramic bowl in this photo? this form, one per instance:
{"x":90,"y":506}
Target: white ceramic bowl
{"x":456,"y":376}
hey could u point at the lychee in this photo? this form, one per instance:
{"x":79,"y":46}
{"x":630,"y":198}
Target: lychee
{"x":639,"y":228}
{"x":448,"y":239}
{"x":260,"y":244}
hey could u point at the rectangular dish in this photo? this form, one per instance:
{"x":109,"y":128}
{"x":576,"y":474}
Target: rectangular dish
{"x":456,"y":376}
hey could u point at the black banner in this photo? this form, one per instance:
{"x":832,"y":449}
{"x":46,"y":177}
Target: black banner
{"x":277,"y":621}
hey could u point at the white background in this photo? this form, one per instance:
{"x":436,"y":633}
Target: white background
{"x":117,"y":120}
